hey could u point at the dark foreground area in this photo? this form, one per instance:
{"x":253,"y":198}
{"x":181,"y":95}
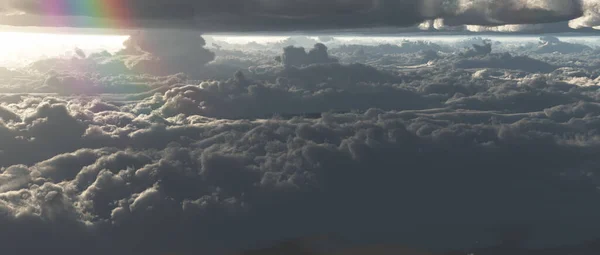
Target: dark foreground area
{"x":319,"y":246}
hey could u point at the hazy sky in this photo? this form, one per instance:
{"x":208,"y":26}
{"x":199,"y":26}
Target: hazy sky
{"x":22,"y":48}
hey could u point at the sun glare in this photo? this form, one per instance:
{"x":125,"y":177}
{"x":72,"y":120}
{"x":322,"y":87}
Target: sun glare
{"x":19,"y":49}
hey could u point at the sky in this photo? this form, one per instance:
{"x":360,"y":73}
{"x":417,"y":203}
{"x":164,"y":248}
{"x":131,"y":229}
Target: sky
{"x":185,"y":127}
{"x":22,"y":48}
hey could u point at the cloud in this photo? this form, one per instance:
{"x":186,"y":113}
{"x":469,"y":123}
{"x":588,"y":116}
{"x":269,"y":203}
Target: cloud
{"x":7,"y":115}
{"x":506,"y":61}
{"x":311,"y":89}
{"x":147,"y":62}
{"x":436,"y":156}
{"x":68,"y":85}
{"x":590,"y":17}
{"x":293,"y":56}
{"x":381,"y":50}
{"x":502,"y":12}
{"x":479,"y":50}
{"x":225,"y":177}
{"x":481,"y":56}
{"x":155,"y":52}
{"x":267,"y":15}
{"x":550,"y":44}
{"x":166,"y":52}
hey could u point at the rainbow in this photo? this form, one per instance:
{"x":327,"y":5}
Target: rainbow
{"x":104,"y":13}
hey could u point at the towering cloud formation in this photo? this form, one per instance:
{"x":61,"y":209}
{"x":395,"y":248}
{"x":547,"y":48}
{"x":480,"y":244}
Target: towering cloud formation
{"x":167,"y":52}
{"x":297,"y":56}
{"x":238,"y":15}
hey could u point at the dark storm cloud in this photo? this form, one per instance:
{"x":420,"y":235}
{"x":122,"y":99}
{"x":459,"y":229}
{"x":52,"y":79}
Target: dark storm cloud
{"x":499,"y":12}
{"x":255,"y":15}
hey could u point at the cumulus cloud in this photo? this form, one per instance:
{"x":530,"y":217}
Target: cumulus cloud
{"x":435,"y":156}
{"x":239,"y":176}
{"x":479,"y":50}
{"x":297,"y":56}
{"x":166,"y":52}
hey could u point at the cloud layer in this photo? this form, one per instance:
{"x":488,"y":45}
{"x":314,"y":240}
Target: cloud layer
{"x":269,"y":15}
{"x":421,"y":143}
